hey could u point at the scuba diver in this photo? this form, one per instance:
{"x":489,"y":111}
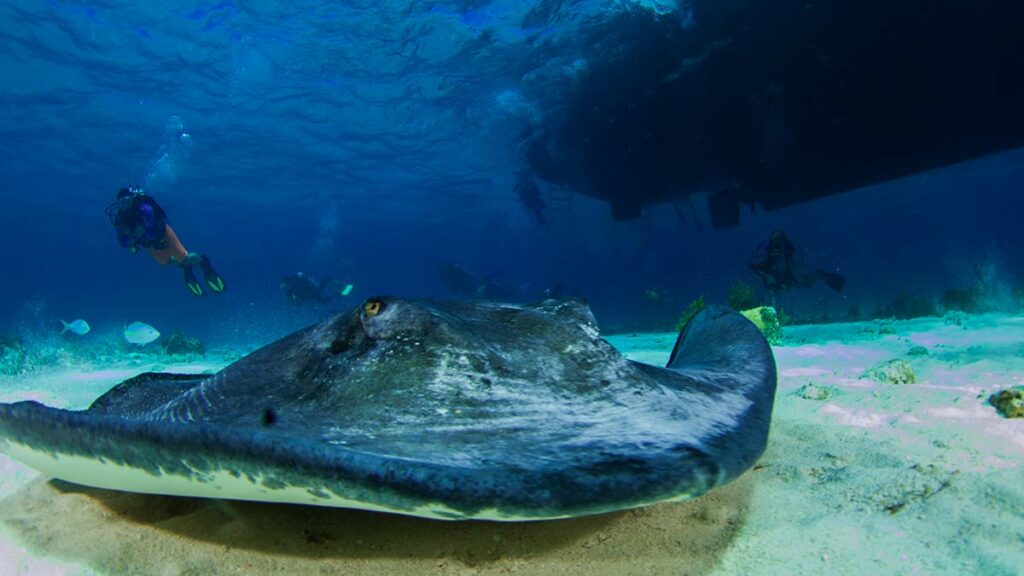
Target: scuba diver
{"x":458,"y":280}
{"x":461,"y":281}
{"x":141,"y":223}
{"x":778,"y":265}
{"x":300,"y":289}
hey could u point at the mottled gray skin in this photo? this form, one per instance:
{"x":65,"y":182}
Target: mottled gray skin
{"x":474,"y":406}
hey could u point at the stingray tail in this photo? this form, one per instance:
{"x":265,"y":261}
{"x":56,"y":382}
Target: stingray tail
{"x":720,"y":338}
{"x":726,"y":355}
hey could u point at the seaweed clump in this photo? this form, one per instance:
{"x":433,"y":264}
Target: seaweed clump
{"x":768,"y":321}
{"x":12,"y":356}
{"x":894,"y":371}
{"x":964,"y":300}
{"x":906,"y":306}
{"x":694,"y":307}
{"x":742,"y":296}
{"x":812,"y":391}
{"x":1009,"y":402}
{"x":178,"y":344}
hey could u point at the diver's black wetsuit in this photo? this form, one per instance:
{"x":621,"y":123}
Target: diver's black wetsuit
{"x":139,"y":221}
{"x":778,"y":264}
{"x":300,"y":289}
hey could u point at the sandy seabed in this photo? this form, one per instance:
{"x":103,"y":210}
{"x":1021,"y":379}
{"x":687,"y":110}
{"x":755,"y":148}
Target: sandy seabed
{"x":860,"y":477}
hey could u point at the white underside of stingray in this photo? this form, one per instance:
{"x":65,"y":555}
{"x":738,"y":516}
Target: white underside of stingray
{"x":222,"y":484}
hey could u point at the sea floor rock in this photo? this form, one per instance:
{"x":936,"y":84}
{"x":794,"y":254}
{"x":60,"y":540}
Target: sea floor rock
{"x":893,"y":371}
{"x":180,"y":345}
{"x":1009,"y":402}
{"x":812,"y":391}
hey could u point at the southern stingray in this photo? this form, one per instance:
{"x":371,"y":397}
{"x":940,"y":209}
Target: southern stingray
{"x":434,"y":409}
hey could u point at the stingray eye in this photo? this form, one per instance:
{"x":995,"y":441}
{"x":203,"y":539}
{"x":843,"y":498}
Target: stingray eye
{"x":372,"y":308}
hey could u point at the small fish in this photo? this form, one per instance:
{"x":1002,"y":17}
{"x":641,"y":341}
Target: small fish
{"x":79,"y":327}
{"x":140,"y":333}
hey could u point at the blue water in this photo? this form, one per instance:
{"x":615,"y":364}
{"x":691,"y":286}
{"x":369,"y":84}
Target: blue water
{"x":371,"y":140}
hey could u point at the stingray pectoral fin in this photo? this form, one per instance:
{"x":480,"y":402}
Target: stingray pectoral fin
{"x":194,"y":460}
{"x":143,"y":393}
{"x":240,"y":463}
{"x":724,"y":355}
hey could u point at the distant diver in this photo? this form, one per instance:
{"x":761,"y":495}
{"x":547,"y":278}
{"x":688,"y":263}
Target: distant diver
{"x":529,"y":195}
{"x":458,"y":280}
{"x":141,"y":223}
{"x":461,"y":281}
{"x":778,"y":264}
{"x":301,"y":290}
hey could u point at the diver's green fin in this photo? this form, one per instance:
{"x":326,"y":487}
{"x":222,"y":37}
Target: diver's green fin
{"x":213,"y":280}
{"x":191,"y":283}
{"x":216,"y":284}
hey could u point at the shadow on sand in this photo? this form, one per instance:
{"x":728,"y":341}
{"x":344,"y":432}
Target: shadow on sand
{"x":112,"y":532}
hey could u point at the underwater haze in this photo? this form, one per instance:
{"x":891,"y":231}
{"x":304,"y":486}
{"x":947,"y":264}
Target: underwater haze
{"x":375,"y":141}
{"x":317,"y":157}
